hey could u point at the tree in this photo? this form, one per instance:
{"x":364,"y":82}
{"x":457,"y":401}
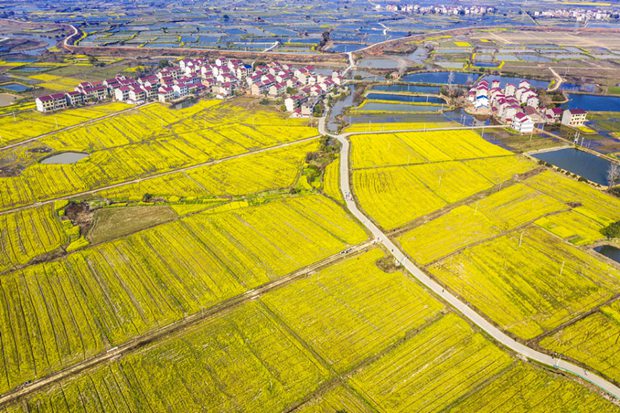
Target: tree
{"x":612,"y":230}
{"x":613,"y":174}
{"x":318,"y":110}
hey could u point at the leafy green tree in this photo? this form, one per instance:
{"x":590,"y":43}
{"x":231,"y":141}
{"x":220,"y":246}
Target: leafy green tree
{"x":612,"y":231}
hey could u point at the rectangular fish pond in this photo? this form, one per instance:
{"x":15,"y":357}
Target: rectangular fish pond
{"x":579,"y":162}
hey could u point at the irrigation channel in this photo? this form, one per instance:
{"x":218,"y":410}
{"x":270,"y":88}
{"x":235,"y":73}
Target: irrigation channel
{"x":464,"y":309}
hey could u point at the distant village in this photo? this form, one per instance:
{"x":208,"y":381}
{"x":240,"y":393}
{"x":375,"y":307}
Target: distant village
{"x":519,"y":106}
{"x":474,"y":10}
{"x":577,"y":14}
{"x":300,"y":89}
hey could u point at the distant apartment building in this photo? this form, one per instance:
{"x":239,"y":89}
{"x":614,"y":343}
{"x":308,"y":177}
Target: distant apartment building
{"x":574,"y":117}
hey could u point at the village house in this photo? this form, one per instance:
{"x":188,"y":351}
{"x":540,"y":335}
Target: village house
{"x":522,"y":123}
{"x":50,"y":103}
{"x":574,"y":117}
{"x":223,"y":78}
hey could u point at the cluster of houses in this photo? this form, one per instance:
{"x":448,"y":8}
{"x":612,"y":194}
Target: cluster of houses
{"x":455,"y":10}
{"x":578,"y":14}
{"x":519,"y":106}
{"x":301,"y":88}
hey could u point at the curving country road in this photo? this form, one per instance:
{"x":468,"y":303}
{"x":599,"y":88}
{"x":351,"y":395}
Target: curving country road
{"x":451,"y":299}
{"x":558,"y":80}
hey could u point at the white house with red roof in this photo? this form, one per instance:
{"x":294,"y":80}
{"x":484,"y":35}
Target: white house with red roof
{"x":522,"y":123}
{"x":52,"y":102}
{"x":574,"y":117}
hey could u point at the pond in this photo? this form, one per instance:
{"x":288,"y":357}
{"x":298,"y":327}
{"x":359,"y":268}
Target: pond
{"x":184,"y":104}
{"x":433,"y":90}
{"x":406,"y":98}
{"x":418,"y":56}
{"x":581,"y":163}
{"x":31,"y":69}
{"x":64,"y":158}
{"x":457,"y":78}
{"x":346,"y":47}
{"x":486,"y":64}
{"x":609,"y":251}
{"x":15,"y":87}
{"x":338,"y":108}
{"x":593,"y":103}
{"x":377,"y":63}
{"x":464,"y":118}
{"x":397,"y":107}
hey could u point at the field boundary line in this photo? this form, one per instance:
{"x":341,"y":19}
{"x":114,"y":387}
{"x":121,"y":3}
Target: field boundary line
{"x":466,"y":311}
{"x":536,"y":340}
{"x":466,"y":201}
{"x":157,"y":175}
{"x":178,"y":326}
{"x":77,"y":125}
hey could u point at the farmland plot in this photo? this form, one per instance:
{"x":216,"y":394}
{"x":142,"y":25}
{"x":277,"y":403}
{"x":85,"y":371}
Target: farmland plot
{"x":591,"y":202}
{"x":134,"y":158}
{"x":420,"y":147}
{"x":23,"y":125}
{"x":335,"y":400}
{"x":526,"y":388}
{"x":58,"y":313}
{"x":242,"y":360}
{"x":331,"y":181}
{"x":442,"y":236}
{"x":27,"y":234}
{"x":341,"y":311}
{"x":260,"y":172}
{"x":432,"y":369}
{"x":592,"y":341}
{"x":393,"y":196}
{"x":529,"y":281}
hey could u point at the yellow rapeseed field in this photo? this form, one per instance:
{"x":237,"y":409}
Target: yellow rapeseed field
{"x":393,"y":196}
{"x":338,"y":398}
{"x":342,"y":313}
{"x":573,"y":226}
{"x":143,"y":151}
{"x":526,"y":388}
{"x":28,"y":124}
{"x":247,"y":175}
{"x":331,"y":181}
{"x":442,"y":236}
{"x":431,"y":370}
{"x":56,"y":83}
{"x":29,"y":233}
{"x":587,"y":200}
{"x":419,"y":147}
{"x":102,"y":296}
{"x":592,"y":341}
{"x":243,"y":358}
{"x":528,"y":281}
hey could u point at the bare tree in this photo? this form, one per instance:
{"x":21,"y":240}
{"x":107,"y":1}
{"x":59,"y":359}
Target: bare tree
{"x":613,"y":174}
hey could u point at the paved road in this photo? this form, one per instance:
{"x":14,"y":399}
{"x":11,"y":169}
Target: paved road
{"x":452,"y":300}
{"x":558,"y":81}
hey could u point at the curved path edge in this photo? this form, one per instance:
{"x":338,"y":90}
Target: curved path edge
{"x":468,"y":312}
